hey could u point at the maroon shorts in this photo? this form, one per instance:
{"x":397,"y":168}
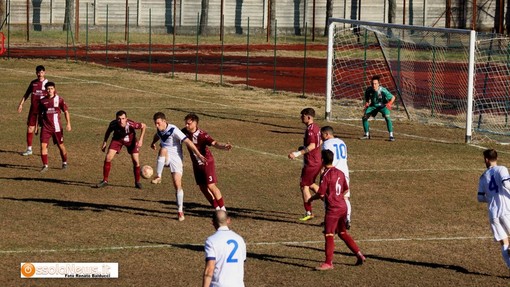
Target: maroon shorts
{"x":205,"y":174}
{"x":58,"y":137}
{"x":309,"y":174}
{"x":334,"y":223}
{"x":32,"y":119}
{"x":118,"y":144}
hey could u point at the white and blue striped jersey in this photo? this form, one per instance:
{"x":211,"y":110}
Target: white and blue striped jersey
{"x":491,"y":190}
{"x":171,"y":139}
{"x":228,"y":249}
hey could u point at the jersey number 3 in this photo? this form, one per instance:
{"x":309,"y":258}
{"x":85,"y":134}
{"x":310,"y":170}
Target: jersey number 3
{"x":230,"y":258}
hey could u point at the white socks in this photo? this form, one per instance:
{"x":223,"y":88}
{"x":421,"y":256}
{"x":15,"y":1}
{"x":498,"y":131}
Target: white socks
{"x":180,"y":199}
{"x":160,"y":165}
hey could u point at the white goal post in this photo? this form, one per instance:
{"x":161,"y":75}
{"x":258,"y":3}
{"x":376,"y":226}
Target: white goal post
{"x":449,"y":77}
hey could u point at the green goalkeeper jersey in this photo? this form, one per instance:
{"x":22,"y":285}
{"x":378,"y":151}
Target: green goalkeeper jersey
{"x":377,"y":98}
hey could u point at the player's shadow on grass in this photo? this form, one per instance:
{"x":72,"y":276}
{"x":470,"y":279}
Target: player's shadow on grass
{"x":95,"y":207}
{"x":50,"y":180}
{"x":19,"y":166}
{"x":11,"y":152}
{"x":205,"y":210}
{"x":252,"y":255}
{"x":369,"y":257}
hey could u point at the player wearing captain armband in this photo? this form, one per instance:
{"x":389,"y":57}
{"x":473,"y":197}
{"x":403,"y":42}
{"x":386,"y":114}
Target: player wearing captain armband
{"x":494,"y":188}
{"x":311,"y":159}
{"x":377,"y":100}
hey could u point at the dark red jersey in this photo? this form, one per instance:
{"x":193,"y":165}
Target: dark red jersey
{"x":313,"y":135}
{"x":125,"y":134}
{"x":333,"y":186}
{"x":50,"y":110}
{"x":202,"y":141}
{"x":37,"y":91}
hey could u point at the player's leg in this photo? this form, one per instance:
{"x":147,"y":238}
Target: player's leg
{"x":176,"y":168}
{"x":160,"y":165}
{"x":501,"y":231}
{"x":31,"y":123}
{"x":44,"y":156}
{"x":208,"y":195}
{"x":330,"y":223}
{"x":347,"y":198}
{"x":366,"y":126}
{"x":217,"y":195}
{"x":135,"y":158}
{"x":389,"y":125}
{"x":58,"y":139}
{"x":308,"y":176}
{"x":349,"y":241}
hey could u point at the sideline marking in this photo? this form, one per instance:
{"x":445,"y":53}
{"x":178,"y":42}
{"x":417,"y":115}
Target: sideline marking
{"x":115,"y":248}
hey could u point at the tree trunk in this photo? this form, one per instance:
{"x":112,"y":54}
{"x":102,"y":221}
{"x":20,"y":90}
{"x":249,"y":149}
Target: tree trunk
{"x":392,"y":8}
{"x":2,"y":12}
{"x":329,"y":14}
{"x":507,"y":18}
{"x":69,"y":14}
{"x":204,"y":18}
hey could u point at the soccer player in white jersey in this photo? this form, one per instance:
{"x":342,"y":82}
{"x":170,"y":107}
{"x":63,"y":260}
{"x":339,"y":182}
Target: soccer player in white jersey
{"x":339,"y":149}
{"x":225,"y":253}
{"x":171,"y":139}
{"x":494,"y":188}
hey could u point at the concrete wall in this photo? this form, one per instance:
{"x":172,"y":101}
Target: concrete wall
{"x":291,"y":15}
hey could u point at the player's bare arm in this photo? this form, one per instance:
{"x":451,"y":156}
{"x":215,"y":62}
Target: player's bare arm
{"x":225,"y":146}
{"x":208,"y":272}
{"x":155,"y":139}
{"x":302,"y":151}
{"x":106,"y":136}
{"x":139,"y":143}
{"x":194,"y":149}
{"x":68,"y":120}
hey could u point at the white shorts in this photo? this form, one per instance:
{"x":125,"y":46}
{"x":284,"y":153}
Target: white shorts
{"x":500,"y":227}
{"x":174,"y":162}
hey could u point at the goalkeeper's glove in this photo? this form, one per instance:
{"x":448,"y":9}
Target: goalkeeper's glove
{"x":366,"y":105}
{"x":388,"y":106}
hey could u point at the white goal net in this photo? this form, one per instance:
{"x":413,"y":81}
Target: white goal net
{"x":428,"y":70}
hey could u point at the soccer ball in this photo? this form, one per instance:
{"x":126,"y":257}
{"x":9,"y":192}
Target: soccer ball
{"x":147,"y":171}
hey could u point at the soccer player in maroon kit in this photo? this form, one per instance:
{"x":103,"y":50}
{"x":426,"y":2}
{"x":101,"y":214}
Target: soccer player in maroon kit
{"x":124,"y":134}
{"x":312,"y":159}
{"x":332,"y":189}
{"x":37,"y":90}
{"x":205,"y":173}
{"x":50,"y":108}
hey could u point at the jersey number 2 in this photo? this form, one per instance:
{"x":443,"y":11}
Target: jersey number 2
{"x":230,"y":258}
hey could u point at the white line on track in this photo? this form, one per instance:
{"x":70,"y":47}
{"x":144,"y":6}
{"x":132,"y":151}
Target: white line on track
{"x":157,"y":246}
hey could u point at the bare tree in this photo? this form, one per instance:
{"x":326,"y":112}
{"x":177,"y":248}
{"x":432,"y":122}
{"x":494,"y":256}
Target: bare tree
{"x":329,"y":14}
{"x":392,"y":8}
{"x":507,"y":18}
{"x":2,"y":12}
{"x":204,"y":17}
{"x":69,"y":14}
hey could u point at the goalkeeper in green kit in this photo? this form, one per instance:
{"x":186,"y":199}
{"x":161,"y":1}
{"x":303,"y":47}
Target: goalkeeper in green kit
{"x":377,"y":100}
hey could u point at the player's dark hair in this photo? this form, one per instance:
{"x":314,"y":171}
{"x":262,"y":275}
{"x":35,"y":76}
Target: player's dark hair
{"x":39,"y":68}
{"x":159,"y":115}
{"x":49,"y":84}
{"x":490,"y":154}
{"x":327,"y":157}
{"x":327,"y":129}
{"x":308,"y":112}
{"x":120,"y":113}
{"x":191,"y":116}
{"x":376,"y":77}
